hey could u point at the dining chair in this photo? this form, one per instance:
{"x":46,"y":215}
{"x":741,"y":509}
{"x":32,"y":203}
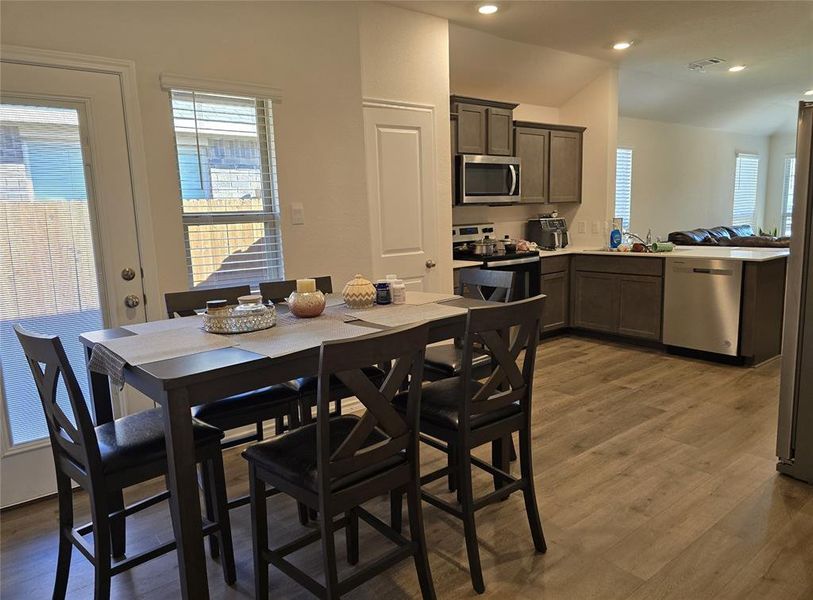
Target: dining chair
{"x":337,"y":463}
{"x":276,"y":291}
{"x":247,"y":409}
{"x":445,"y":360}
{"x":459,"y":414}
{"x":107,"y":458}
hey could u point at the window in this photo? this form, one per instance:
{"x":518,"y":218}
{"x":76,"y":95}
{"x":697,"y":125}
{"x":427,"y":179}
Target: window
{"x":787,"y":193}
{"x":623,"y":185}
{"x":746,"y":176}
{"x":229,"y":196}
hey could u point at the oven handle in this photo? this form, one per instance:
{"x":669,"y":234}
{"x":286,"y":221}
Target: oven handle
{"x":513,"y":170}
{"x":515,"y":261}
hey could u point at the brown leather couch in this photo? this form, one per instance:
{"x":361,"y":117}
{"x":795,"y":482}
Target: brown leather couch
{"x":735,"y":235}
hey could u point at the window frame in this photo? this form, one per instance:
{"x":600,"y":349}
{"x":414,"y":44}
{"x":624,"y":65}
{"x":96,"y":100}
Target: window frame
{"x":754,"y":213}
{"x":270,"y":215}
{"x":788,"y":176}
{"x":631,"y":151}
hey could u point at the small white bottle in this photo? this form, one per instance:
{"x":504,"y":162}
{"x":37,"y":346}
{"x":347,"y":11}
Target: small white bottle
{"x":397,"y":289}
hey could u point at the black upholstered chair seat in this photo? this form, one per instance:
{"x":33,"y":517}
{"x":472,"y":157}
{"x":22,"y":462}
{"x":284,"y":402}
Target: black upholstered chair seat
{"x":448,"y":359}
{"x":292,"y":456}
{"x":235,"y":411}
{"x":307,"y":385}
{"x":440,"y":405}
{"x":138,"y":439}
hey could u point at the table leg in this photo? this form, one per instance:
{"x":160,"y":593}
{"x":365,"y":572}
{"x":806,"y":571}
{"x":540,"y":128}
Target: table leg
{"x":102,"y":403}
{"x":183,"y":489}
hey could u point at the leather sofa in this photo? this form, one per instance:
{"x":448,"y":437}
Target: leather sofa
{"x":734,"y":235}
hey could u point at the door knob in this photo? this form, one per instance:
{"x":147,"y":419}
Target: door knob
{"x":131,"y":301}
{"x":430,"y":264}
{"x":128,"y":274}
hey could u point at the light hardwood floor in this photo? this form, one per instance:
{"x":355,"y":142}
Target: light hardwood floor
{"x":655,"y":476}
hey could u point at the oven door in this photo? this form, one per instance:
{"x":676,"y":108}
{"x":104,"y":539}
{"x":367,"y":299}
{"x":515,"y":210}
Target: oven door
{"x":489,"y":179}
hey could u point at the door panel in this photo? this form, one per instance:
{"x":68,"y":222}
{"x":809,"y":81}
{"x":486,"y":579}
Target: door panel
{"x":500,"y":131}
{"x":471,"y":129}
{"x":565,"y":166}
{"x":640,"y":300}
{"x":67,"y":228}
{"x":555,"y":287}
{"x":402,"y":192}
{"x":532,"y":148}
{"x":595,"y":301}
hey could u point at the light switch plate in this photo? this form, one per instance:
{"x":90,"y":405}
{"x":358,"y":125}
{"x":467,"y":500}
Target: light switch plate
{"x":581,"y":227}
{"x":596,"y":227}
{"x":297,"y":213}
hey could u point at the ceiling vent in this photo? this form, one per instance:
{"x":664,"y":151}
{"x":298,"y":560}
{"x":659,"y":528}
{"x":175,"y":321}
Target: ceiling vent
{"x":701,"y":65}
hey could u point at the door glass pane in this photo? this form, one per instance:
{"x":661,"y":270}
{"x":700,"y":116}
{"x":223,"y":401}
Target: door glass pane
{"x":48,"y":282}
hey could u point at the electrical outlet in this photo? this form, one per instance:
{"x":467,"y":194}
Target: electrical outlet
{"x":297,"y":214}
{"x":581,"y":227}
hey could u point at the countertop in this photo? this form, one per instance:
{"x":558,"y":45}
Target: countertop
{"x":730,"y":253}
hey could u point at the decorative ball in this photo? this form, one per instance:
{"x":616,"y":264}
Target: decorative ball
{"x":359,"y":292}
{"x":306,"y":304}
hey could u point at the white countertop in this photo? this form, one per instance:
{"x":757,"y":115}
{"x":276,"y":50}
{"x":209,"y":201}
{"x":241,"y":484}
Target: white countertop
{"x":730,"y":253}
{"x":462,"y":264}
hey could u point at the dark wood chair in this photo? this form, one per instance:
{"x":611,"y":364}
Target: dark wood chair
{"x":276,"y":291}
{"x":459,"y":414}
{"x":339,"y":462}
{"x":445,"y":360}
{"x":107,"y":458}
{"x":275,"y":402}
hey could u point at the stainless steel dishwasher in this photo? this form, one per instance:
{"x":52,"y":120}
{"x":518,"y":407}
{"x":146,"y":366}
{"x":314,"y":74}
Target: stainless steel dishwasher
{"x":702,"y":304}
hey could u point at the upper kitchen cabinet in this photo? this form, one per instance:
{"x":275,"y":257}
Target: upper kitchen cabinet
{"x":551,"y":161}
{"x":483,"y":126}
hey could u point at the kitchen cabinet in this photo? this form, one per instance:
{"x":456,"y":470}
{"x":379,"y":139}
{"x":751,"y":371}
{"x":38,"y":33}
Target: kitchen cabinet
{"x":551,"y":161}
{"x":453,"y":131}
{"x":483,"y":126}
{"x":618,"y":295}
{"x":531,"y":145}
{"x":555,"y":284}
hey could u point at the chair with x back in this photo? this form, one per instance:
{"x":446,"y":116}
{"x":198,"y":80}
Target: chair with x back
{"x":339,"y":462}
{"x":277,"y":291}
{"x":459,"y":414}
{"x":445,"y":360}
{"x":107,"y":458}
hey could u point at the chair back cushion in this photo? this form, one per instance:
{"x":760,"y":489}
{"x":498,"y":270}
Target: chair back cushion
{"x":404,"y":348}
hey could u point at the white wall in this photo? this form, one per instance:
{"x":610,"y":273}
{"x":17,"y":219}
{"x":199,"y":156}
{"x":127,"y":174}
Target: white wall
{"x":683,"y":176}
{"x":781,"y":144}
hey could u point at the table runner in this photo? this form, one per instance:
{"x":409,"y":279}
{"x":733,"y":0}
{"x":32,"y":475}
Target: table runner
{"x":395,"y":315}
{"x":165,"y":325}
{"x":417,"y":298}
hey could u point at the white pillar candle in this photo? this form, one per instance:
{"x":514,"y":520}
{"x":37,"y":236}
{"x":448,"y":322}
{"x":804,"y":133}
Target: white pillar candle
{"x":305,"y":285}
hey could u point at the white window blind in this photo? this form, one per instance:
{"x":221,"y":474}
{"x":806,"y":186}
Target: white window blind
{"x":227,"y":171}
{"x":746,"y":178}
{"x":623,"y":185}
{"x":787,"y":194}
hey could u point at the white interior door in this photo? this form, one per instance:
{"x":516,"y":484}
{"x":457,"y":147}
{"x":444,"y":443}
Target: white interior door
{"x":68,"y":242}
{"x":402,"y":192}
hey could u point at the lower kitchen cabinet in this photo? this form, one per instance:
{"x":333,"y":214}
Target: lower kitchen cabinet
{"x":595,"y":301}
{"x":639,"y":306}
{"x":556,"y":287}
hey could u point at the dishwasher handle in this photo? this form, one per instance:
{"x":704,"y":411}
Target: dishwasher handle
{"x":704,"y":271}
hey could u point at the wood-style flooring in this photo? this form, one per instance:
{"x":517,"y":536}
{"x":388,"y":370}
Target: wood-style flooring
{"x":655,"y":476}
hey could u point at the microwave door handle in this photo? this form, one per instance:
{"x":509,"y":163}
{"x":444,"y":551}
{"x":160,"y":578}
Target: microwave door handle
{"x":513,"y":171}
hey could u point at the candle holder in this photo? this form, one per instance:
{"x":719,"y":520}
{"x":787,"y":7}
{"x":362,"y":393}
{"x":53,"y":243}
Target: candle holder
{"x":306,"y":304}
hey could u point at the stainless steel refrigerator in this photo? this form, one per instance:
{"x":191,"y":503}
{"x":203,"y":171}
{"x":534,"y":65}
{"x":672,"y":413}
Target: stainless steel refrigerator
{"x":794,"y":445}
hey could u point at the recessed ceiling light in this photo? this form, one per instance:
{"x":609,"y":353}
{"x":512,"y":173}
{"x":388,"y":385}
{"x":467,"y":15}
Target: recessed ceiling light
{"x":488,"y":9}
{"x":621,"y":45}
{"x":736,"y":68}
{"x":809,"y":93}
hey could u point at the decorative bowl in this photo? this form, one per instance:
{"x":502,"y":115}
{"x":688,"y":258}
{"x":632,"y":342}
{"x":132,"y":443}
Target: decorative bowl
{"x":306,"y":304}
{"x":359,"y":292}
{"x":229,"y":322}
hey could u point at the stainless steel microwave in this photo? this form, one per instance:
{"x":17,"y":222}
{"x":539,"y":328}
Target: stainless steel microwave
{"x":488,"y":179}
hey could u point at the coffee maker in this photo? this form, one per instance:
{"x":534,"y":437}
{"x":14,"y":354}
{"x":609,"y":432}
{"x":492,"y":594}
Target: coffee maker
{"x":549,"y":233}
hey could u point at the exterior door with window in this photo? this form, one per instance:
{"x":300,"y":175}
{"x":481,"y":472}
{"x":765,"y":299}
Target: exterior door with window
{"x":68,"y":242}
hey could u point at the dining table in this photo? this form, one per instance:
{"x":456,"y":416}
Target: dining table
{"x":179,"y":383}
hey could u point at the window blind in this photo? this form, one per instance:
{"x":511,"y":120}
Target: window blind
{"x":746,"y":178}
{"x":787,"y":194}
{"x":623,"y":185}
{"x":229,"y":196}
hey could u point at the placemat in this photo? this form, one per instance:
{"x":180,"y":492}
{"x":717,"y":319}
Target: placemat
{"x":395,"y":315}
{"x":165,"y":325}
{"x":304,"y":334}
{"x":417,"y":298}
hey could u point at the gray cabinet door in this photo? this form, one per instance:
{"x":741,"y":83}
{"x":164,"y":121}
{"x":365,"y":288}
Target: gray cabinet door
{"x":639,"y":306}
{"x":471,"y":129}
{"x":453,"y":127}
{"x":500,"y":131}
{"x":595,"y":301}
{"x":532,"y":149}
{"x":556,"y":287}
{"x":565,"y":174}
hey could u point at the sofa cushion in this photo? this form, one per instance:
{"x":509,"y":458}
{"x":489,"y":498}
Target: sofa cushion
{"x":740,"y":230}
